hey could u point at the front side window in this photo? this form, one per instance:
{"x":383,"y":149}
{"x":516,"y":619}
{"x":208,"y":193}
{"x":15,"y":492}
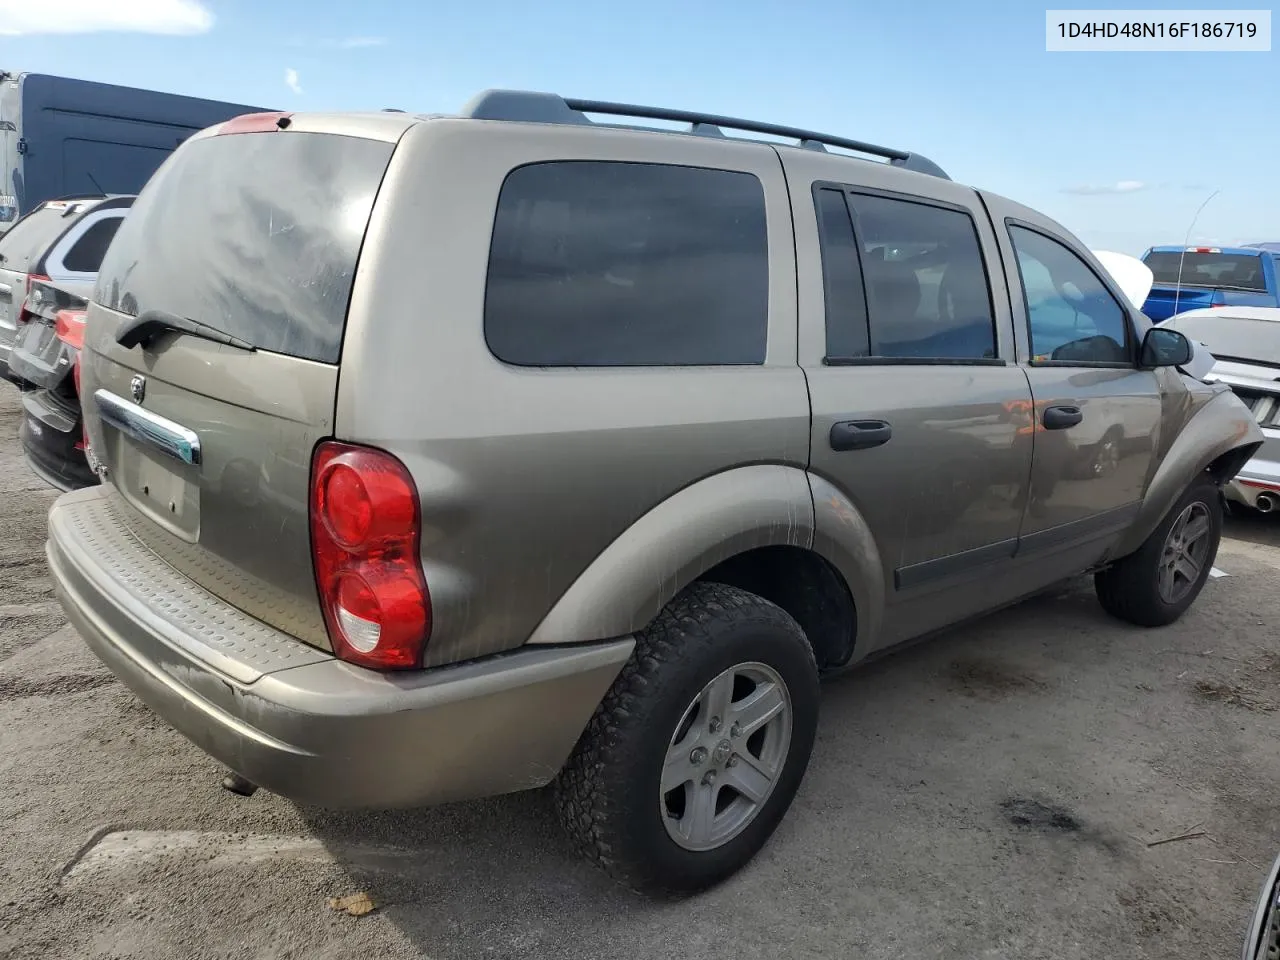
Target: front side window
{"x":1072,"y":316}
{"x":601,"y":263}
{"x":904,"y":281}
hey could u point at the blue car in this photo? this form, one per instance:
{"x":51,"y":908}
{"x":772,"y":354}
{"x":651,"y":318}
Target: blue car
{"x":1192,"y":278}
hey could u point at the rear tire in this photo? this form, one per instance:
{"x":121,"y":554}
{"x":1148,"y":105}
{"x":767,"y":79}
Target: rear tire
{"x":651,"y":791}
{"x":1155,"y":585}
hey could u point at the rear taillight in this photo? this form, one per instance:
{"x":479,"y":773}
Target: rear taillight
{"x":27,"y":311}
{"x":69,"y":326}
{"x":365,"y":546}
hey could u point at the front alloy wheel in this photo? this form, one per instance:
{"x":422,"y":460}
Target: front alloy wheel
{"x":1185,"y":553}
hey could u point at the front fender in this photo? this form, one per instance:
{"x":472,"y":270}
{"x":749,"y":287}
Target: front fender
{"x":1223,"y":424}
{"x":676,"y":542}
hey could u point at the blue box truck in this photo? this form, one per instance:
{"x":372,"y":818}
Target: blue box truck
{"x":61,"y":137}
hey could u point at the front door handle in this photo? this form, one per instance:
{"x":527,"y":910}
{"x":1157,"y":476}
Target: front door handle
{"x":1060,"y":418}
{"x":859,"y":434}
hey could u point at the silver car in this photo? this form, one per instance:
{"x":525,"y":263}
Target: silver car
{"x":1246,"y":343}
{"x":61,"y":240}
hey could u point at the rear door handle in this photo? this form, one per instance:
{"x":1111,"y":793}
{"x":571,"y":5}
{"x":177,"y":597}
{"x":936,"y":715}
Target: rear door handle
{"x":859,"y":434}
{"x":1060,"y":418}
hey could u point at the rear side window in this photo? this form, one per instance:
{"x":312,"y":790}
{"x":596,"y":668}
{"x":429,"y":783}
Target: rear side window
{"x":1222,"y":271}
{"x":255,"y":234}
{"x":30,"y":237}
{"x":904,"y":281}
{"x":597,"y":263}
{"x":85,"y":255}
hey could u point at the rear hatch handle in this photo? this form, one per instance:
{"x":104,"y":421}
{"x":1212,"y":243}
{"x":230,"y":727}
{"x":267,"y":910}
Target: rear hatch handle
{"x":149,"y":324}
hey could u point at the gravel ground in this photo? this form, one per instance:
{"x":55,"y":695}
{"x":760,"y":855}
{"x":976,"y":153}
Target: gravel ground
{"x":992,"y":793}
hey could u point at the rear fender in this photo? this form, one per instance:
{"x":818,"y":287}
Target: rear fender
{"x":842,"y":537}
{"x":1223,"y":424}
{"x":674,"y":543}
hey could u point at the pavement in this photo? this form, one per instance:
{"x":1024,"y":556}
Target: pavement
{"x":1044,"y":782}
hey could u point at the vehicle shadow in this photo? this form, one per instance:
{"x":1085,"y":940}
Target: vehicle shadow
{"x":1253,"y":527}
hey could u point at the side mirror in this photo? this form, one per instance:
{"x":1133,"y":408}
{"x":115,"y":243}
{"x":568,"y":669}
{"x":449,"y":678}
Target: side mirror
{"x":1162,"y":347}
{"x":1263,"y":940}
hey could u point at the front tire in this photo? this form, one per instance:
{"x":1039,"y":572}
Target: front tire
{"x":1155,"y":585}
{"x":696,"y":752}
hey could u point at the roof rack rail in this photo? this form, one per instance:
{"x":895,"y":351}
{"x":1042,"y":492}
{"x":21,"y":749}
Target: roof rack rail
{"x":532,"y":107}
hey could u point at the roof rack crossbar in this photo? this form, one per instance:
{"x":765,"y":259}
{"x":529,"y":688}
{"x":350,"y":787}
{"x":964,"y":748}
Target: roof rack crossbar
{"x":519,"y":105}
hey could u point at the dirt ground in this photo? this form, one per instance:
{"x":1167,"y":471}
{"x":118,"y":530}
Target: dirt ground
{"x":993,"y":793}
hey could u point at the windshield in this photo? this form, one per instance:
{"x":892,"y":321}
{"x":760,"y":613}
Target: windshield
{"x":267,"y":255}
{"x":1223,"y":271}
{"x":31,"y":236}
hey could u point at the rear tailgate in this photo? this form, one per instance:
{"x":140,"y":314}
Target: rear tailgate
{"x":1164,"y":302}
{"x":208,"y":446}
{"x":39,"y":356}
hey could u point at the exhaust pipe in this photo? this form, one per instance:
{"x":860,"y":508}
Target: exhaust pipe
{"x":234,"y":783}
{"x":1266,"y":502}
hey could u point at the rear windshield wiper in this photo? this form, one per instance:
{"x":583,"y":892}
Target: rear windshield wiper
{"x":149,"y":324}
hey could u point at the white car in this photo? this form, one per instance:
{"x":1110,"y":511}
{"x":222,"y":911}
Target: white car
{"x":1246,"y":344}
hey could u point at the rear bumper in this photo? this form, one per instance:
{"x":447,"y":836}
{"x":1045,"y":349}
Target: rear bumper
{"x":294,"y":719}
{"x":49,"y":437}
{"x":1260,"y":475}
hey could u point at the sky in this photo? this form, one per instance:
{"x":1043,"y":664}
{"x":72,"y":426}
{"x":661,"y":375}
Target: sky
{"x":1122,"y":148}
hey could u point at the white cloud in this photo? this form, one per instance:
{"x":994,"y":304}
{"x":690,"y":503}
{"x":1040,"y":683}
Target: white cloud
{"x":291,"y":80}
{"x":1121,"y":186}
{"x":176,"y":17}
{"x":353,"y":43}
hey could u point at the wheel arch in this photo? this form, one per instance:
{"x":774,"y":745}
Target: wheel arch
{"x":1220,"y":438}
{"x":777,"y":531}
{"x":675,"y":543}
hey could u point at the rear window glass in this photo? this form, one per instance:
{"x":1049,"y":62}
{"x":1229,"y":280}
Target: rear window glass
{"x":597,"y":263}
{"x":256,"y":235}
{"x":1223,"y":271}
{"x":30,"y":237}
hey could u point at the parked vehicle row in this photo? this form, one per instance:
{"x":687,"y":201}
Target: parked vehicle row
{"x":451,"y":456}
{"x":49,"y":263}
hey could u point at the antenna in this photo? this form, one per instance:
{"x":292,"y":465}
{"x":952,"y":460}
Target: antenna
{"x":1177,"y":290}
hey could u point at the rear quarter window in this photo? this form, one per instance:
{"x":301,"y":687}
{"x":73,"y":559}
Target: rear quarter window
{"x":86,"y":254}
{"x":600,"y":263}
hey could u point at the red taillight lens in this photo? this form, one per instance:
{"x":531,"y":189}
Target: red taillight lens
{"x":365,"y":546}
{"x":69,"y":326}
{"x":348,"y":508}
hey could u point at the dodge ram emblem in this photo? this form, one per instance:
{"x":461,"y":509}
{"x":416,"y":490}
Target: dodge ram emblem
{"x":138,"y":387}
